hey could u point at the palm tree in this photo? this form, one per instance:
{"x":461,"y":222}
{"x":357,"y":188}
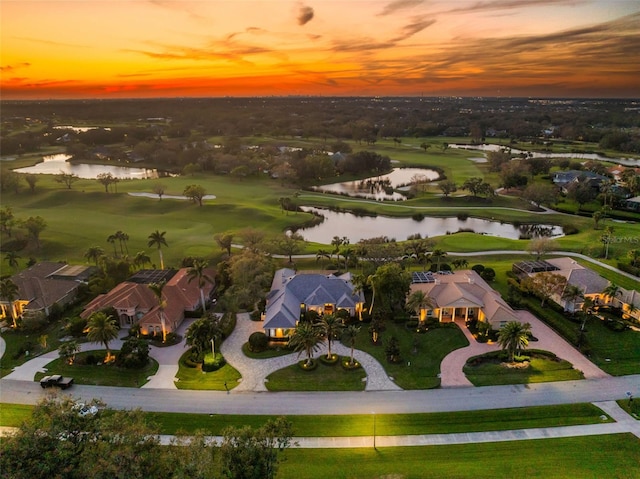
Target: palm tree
{"x":200,"y":334}
{"x":122,"y":238}
{"x":157,"y":239}
{"x":571,"y":294}
{"x":112,"y":239}
{"x":634,"y":256}
{"x":331,"y":326}
{"x":9,"y":293}
{"x":307,"y":337}
{"x":162,"y":303}
{"x":198,"y":271}
{"x":612,"y":291}
{"x":350,"y":335}
{"x":141,"y":258}
{"x":460,"y":263}
{"x":94,"y":253}
{"x":418,"y":302}
{"x":12,"y":259}
{"x":436,"y":256}
{"x":513,"y":337}
{"x":323,"y":253}
{"x":371,"y":280}
{"x":102,"y":328}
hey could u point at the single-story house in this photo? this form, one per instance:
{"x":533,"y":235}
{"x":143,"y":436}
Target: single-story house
{"x":632,"y":204}
{"x":462,"y":295}
{"x":136,"y":303}
{"x":590,"y":283}
{"x":292,"y":294}
{"x":43,"y":285}
{"x":563,"y":179}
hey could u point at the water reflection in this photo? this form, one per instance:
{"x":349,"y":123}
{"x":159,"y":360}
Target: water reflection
{"x":381,"y":187}
{"x":54,"y":164}
{"x":357,"y":228}
{"x":538,"y":154}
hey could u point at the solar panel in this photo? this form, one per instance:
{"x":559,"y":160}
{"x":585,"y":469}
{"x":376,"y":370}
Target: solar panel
{"x":422,"y":277}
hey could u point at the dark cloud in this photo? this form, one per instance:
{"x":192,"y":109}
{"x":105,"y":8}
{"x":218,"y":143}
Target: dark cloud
{"x":414,"y":27}
{"x":512,"y":4}
{"x":396,"y":5}
{"x":17,"y":66}
{"x":304,"y":14}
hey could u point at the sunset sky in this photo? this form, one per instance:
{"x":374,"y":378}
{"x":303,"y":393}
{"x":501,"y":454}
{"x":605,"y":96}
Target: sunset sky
{"x":158,"y":48}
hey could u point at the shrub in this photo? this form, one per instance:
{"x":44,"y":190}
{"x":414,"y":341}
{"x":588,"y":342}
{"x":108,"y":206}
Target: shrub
{"x":258,"y":342}
{"x":570,"y":230}
{"x":255,"y":315}
{"x":75,"y":326}
{"x":329,"y":361}
{"x":212,"y":363}
{"x":478,"y":268}
{"x":488,"y":274}
{"x":345,"y":362}
{"x":34,"y":322}
{"x":308,"y":367}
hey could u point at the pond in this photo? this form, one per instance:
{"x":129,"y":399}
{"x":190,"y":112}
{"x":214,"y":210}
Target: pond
{"x":357,"y":228}
{"x":537,"y":154}
{"x":54,"y":164}
{"x":380,"y":187}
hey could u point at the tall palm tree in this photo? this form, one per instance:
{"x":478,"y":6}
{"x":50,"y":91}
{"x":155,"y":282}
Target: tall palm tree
{"x":94,"y":253}
{"x":12,"y":259}
{"x":112,"y":239}
{"x":634,"y":256}
{"x":157,"y":239}
{"x":122,"y":238}
{"x":418,"y":302}
{"x":331,"y":327}
{"x":571,"y":294}
{"x":371,"y":281}
{"x":162,"y":304}
{"x":9,"y":293}
{"x":350,"y":335}
{"x":198,"y":272}
{"x":102,"y":328}
{"x":306,"y":337}
{"x":513,"y":337}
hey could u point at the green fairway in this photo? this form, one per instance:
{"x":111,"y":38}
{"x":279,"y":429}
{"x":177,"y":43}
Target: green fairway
{"x":578,"y":457}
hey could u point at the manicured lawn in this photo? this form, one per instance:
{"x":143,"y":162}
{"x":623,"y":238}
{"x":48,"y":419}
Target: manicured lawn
{"x":578,"y":457}
{"x":104,"y":375}
{"x":490,"y":371}
{"x":362,"y":425}
{"x":269,"y":353}
{"x":195,"y":378}
{"x":325,"y":377}
{"x":418,"y":370}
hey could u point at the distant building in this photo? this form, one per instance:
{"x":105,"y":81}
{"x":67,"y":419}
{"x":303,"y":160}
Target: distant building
{"x":564,"y":179}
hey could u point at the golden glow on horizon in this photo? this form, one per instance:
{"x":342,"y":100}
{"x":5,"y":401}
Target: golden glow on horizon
{"x":148,"y":48}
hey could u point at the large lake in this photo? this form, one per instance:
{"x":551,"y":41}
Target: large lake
{"x":374,"y":187}
{"x":54,"y":164}
{"x":357,"y":228}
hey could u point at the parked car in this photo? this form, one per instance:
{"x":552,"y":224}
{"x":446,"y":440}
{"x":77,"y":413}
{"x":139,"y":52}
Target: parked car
{"x":56,"y":380}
